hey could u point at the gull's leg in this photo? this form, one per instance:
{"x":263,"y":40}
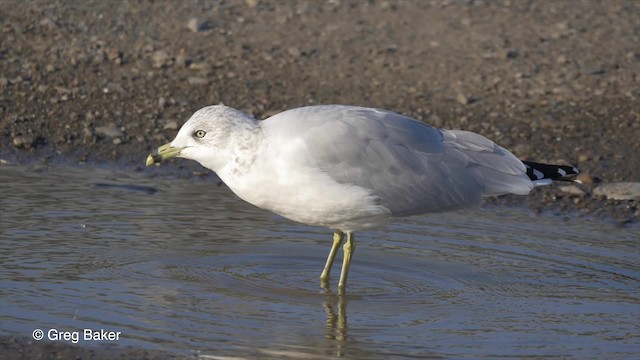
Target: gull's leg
{"x":338,"y":237}
{"x":349,"y":248}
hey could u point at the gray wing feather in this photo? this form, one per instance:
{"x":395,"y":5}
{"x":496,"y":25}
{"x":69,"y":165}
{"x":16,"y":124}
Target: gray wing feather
{"x":409,"y":166}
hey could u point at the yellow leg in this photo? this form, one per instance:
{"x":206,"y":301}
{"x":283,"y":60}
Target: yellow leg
{"x":338,"y":237}
{"x":349,"y":248}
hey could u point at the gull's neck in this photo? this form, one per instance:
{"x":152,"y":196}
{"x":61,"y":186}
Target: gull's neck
{"x":242,"y":148}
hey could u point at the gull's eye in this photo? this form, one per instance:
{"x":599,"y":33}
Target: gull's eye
{"x":200,"y":134}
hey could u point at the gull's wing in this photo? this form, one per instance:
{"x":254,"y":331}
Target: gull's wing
{"x":409,"y":166}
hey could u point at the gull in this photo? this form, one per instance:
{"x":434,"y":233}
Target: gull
{"x":351,"y":168}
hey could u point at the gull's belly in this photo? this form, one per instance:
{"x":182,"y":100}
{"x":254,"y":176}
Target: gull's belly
{"x":310,"y":197}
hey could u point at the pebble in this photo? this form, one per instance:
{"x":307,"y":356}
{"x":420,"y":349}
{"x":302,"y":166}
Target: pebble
{"x":182,"y":59}
{"x":109,"y":131}
{"x":523,"y":149}
{"x":170,"y":125}
{"x":619,"y":191}
{"x":572,"y":190}
{"x":462,"y":99}
{"x":508,"y":54}
{"x":23,"y":141}
{"x":194,"y":80}
{"x":583,"y":158}
{"x":114,"y":55}
{"x":161,"y":59}
{"x":585,"y":178}
{"x":561,"y":59}
{"x":200,"y":66}
{"x":198,"y":25}
{"x":48,"y":23}
{"x":294,"y":51}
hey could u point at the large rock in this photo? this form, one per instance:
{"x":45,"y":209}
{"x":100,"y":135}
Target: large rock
{"x":619,"y":191}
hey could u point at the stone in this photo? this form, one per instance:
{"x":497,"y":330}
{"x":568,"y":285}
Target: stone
{"x":23,"y":141}
{"x":110,"y":131}
{"x":161,"y":59}
{"x":252,"y":3}
{"x":294,"y":51}
{"x":585,"y":178}
{"x":198,"y":25}
{"x":195,"y":80}
{"x":170,"y":125}
{"x":462,"y":99}
{"x":619,"y":191}
{"x":572,"y":190}
{"x":114,"y":55}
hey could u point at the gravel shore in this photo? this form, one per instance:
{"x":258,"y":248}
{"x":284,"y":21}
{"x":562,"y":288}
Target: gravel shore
{"x":551,"y":81}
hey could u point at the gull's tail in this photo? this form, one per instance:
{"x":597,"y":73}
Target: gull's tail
{"x":543,"y":174}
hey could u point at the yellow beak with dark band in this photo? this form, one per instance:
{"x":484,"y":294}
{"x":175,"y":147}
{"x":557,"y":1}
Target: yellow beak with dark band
{"x":164,"y":152}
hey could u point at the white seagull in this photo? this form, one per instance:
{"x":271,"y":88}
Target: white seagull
{"x":351,"y":168}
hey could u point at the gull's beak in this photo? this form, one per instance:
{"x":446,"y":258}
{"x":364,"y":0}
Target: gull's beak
{"x":164,"y":152}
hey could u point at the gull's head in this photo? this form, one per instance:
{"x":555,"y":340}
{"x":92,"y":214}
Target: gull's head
{"x":205,"y":137}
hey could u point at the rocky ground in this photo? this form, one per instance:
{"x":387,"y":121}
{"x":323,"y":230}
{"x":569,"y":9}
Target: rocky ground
{"x":554,"y":81}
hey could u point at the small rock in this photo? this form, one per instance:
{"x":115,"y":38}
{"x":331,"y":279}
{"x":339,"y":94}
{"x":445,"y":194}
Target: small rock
{"x":114,"y":55}
{"x":170,"y":125}
{"x":62,"y":90}
{"x":561,"y":59}
{"x":198,"y":25}
{"x":523,"y":149}
{"x":114,"y":87}
{"x":436,"y":121}
{"x":562,"y":26}
{"x":161,"y":59}
{"x":48,"y":23}
{"x":194,"y":80}
{"x":109,"y":131}
{"x":87,"y":135}
{"x":23,"y":141}
{"x":585,"y":178}
{"x":572,"y":190}
{"x":511,"y":54}
{"x":182,"y":59}
{"x":465,"y":100}
{"x":619,"y":191}
{"x":252,"y":3}
{"x":200,"y":66}
{"x":461,"y":99}
{"x":294,"y":51}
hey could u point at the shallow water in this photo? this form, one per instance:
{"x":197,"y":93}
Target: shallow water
{"x":185,"y":266}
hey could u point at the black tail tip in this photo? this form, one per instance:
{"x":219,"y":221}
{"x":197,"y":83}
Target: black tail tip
{"x":537,"y":171}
